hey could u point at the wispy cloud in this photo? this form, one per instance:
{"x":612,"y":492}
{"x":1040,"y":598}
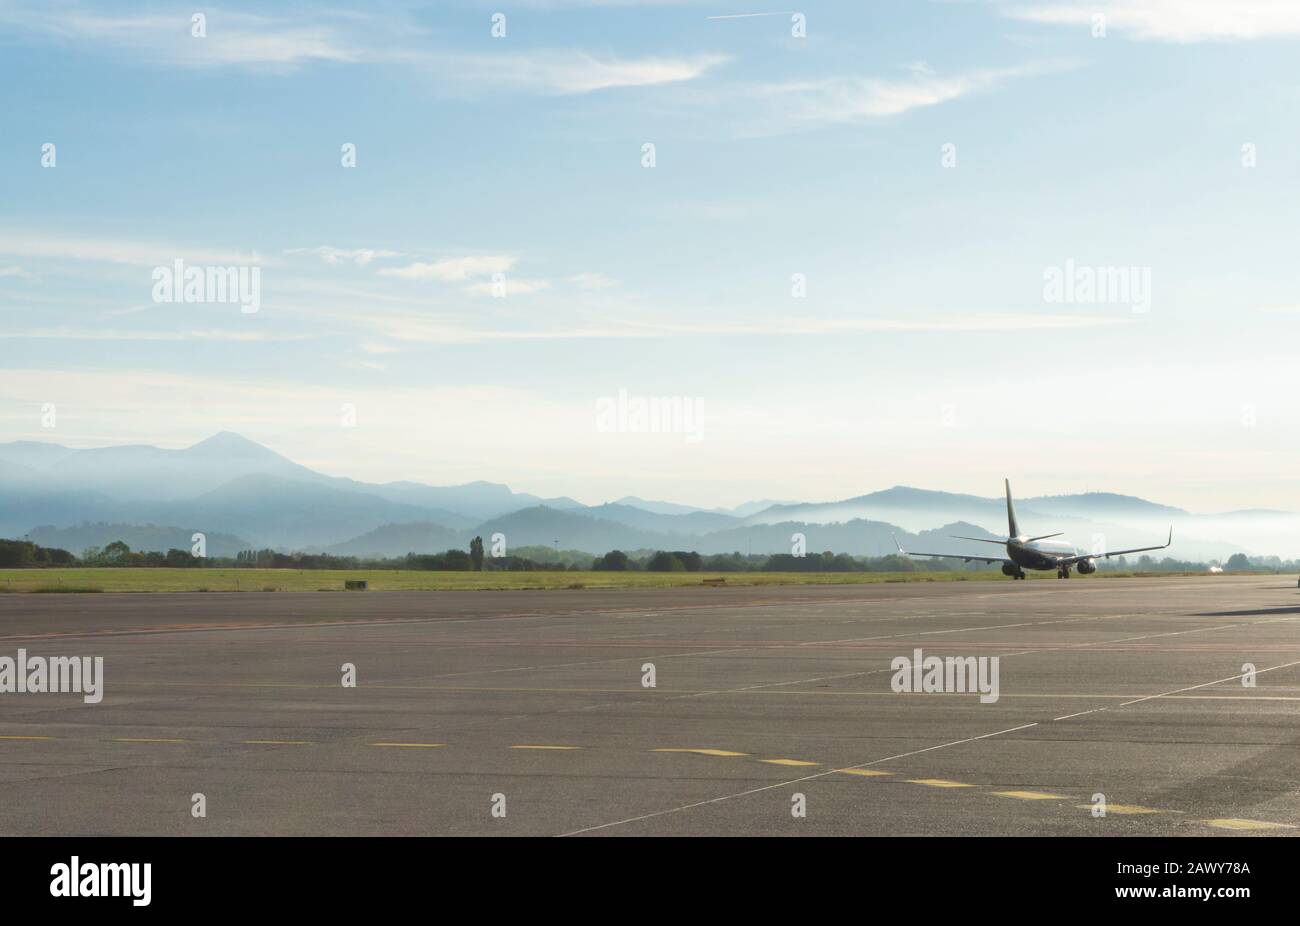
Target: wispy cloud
{"x":510,"y":286}
{"x":231,"y":39}
{"x":1172,"y":20}
{"x":70,"y":333}
{"x":115,"y":251}
{"x":359,"y":256}
{"x":281,"y":44}
{"x":569,"y":72}
{"x":856,"y":99}
{"x":408,"y":328}
{"x":592,"y":281}
{"x":452,"y":269}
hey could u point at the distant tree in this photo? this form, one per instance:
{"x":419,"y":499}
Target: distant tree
{"x":476,"y":553}
{"x":18,"y":553}
{"x":117,"y":551}
{"x":457,"y":561}
{"x":663,"y":561}
{"x":181,"y":558}
{"x":613,"y":561}
{"x":893,"y":563}
{"x":1237,"y":562}
{"x":691,"y":562}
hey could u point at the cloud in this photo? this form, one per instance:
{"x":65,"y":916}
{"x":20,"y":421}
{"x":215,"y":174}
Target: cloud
{"x":452,"y":269}
{"x":232,"y":39}
{"x":592,"y":281}
{"x":15,"y":272}
{"x":510,"y":286}
{"x":333,"y":36}
{"x":411,"y":328}
{"x":365,"y":365}
{"x":1173,"y":20}
{"x":115,"y":251}
{"x":841,"y":325}
{"x":335,"y":256}
{"x":856,"y":99}
{"x":555,"y":72}
{"x":68,"y":333}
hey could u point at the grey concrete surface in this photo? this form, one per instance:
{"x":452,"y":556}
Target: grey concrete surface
{"x":1127,"y":688}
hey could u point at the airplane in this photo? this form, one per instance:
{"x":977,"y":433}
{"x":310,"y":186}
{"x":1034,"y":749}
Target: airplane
{"x":1040,"y":553}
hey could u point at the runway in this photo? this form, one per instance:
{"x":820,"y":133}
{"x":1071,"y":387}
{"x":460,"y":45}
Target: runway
{"x":527,"y":713}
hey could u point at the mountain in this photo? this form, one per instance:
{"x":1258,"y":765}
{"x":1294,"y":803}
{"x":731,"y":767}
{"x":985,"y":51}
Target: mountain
{"x":691,"y":523}
{"x":573,"y":531}
{"x":250,"y":495}
{"x":396,"y":540}
{"x":49,"y":484}
{"x":658,"y":507}
{"x":1101,"y":506}
{"x":144,"y":472}
{"x":748,"y":508}
{"x":471,"y":502}
{"x":283,"y":513}
{"x":139,"y":537}
{"x":915,"y":509}
{"x":632,"y":501}
{"x":33,"y":454}
{"x":23,"y":507}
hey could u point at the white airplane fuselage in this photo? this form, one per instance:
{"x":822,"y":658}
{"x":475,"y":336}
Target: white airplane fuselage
{"x":1039,"y":554}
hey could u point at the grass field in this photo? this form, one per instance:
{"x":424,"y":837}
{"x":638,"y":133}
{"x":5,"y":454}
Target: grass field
{"x":294,"y":580}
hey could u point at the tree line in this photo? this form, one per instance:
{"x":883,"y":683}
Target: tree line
{"x":23,"y":554}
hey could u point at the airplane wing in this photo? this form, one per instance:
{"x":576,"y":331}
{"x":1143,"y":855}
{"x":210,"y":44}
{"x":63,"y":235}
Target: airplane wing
{"x":967,"y":557}
{"x":1071,"y":560}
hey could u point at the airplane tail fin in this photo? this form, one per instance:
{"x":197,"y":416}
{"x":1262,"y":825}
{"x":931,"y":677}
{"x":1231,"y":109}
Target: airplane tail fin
{"x":1013,"y":530}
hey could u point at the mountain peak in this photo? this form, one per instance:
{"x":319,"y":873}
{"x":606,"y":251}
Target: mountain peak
{"x":227,"y":446}
{"x":224,"y":440}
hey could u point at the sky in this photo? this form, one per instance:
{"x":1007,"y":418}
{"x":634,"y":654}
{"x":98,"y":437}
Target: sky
{"x":853,"y":241}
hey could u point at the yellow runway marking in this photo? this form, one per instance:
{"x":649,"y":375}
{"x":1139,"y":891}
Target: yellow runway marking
{"x":705,"y":752}
{"x":864,"y":772}
{"x":1126,"y":809}
{"x":413,"y":745}
{"x":1229,"y":823}
{"x":26,"y":737}
{"x":545,"y":747}
{"x":276,"y":742}
{"x":938,"y":783}
{"x":1031,"y":795}
{"x":787,"y":762}
{"x":143,"y":740}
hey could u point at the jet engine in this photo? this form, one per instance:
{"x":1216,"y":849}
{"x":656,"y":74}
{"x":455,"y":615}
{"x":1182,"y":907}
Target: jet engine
{"x":1086,"y":567}
{"x":1009,"y":570}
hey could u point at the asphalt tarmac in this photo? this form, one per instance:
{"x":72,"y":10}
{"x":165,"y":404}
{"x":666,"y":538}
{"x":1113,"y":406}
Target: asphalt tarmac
{"x":772,"y":712}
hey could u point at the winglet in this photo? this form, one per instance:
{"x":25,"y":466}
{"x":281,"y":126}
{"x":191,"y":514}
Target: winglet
{"x":899,"y":545}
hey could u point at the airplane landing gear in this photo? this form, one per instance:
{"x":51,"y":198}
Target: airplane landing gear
{"x":1063,"y":573}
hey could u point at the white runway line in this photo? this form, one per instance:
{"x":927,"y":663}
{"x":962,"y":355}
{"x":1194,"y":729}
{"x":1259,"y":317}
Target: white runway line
{"x":795,"y":781}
